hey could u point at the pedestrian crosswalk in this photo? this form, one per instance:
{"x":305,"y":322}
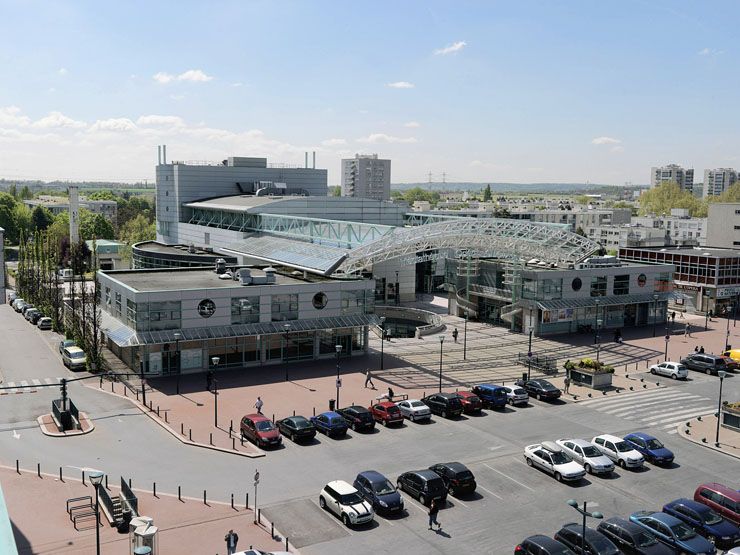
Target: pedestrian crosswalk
{"x":27,"y":386}
{"x":665,"y":408}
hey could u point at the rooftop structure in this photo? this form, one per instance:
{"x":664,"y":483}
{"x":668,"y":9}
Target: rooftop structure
{"x":151,"y":254}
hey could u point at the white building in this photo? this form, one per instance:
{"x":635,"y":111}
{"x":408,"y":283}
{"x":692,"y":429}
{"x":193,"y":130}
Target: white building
{"x":681,"y":229}
{"x":717,"y":181}
{"x":366,"y":176}
{"x":723,"y":228}
{"x":675,"y":174}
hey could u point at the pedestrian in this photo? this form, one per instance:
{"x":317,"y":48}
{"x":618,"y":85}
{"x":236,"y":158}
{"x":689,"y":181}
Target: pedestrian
{"x":566,"y":382}
{"x":686,"y":332}
{"x":688,"y":328}
{"x":673,"y":317}
{"x":433,"y":511}
{"x":701,"y":350}
{"x":258,"y":405}
{"x":454,"y":335}
{"x":390,"y":394}
{"x":696,"y":348}
{"x":232,"y":538}
{"x":369,"y":379}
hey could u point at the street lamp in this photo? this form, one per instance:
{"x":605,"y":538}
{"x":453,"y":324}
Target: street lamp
{"x":96,"y":478}
{"x":382,"y":339}
{"x":727,"y":339}
{"x":721,"y":375}
{"x":339,"y":383}
{"x":286,"y":327}
{"x":178,"y":336}
{"x":441,"y":342}
{"x":655,"y":311}
{"x":596,"y":327}
{"x":398,"y":292}
{"x":667,"y":338}
{"x":465,"y":337}
{"x":215,"y":361}
{"x":595,"y":514}
{"x":529,"y":353}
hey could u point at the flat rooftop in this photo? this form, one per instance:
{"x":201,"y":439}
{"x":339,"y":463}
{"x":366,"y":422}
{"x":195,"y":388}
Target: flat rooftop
{"x":162,"y":248}
{"x":711,"y":252}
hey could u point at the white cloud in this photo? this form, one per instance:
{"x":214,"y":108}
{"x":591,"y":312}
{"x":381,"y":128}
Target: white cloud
{"x":192,"y":75}
{"x":11,"y":115}
{"x":160,"y":121}
{"x":380,"y":138}
{"x":451,"y":49}
{"x":710,"y":52}
{"x":113,"y":125}
{"x":605,"y":141}
{"x":237,"y":84}
{"x":400,"y":85}
{"x":333,"y":142}
{"x":57,"y":119}
{"x":412,"y":124}
{"x":62,"y":71}
{"x":618,"y":148}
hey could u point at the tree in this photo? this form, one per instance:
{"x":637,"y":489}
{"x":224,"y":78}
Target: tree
{"x":662,"y":198}
{"x":95,"y":226}
{"x":137,"y":230}
{"x":26,"y":193}
{"x":41,"y":218}
{"x":732,"y":194}
{"x":487,"y":196}
{"x":580,"y":231}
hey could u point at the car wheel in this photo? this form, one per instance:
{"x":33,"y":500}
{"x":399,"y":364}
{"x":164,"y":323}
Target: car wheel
{"x":587,"y":468}
{"x":412,"y":418}
{"x":529,"y":461}
{"x":385,"y":423}
{"x":422,"y":499}
{"x":354,"y":427}
{"x":652,"y":371}
{"x":708,"y":372}
{"x":322,"y":503}
{"x":558,"y":477}
{"x":444,"y":414}
{"x":621,"y":463}
{"x":451,"y":491}
{"x":345,"y":520}
{"x":399,"y":486}
{"x":292,"y":438}
{"x":674,"y":377}
{"x":510,"y":401}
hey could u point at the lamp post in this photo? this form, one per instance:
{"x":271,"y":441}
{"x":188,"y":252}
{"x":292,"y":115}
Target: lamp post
{"x":655,"y":312}
{"x":398,"y":290}
{"x":734,"y":307}
{"x":178,"y":336}
{"x":529,"y":353}
{"x":338,"y":348}
{"x":667,"y":338}
{"x":465,"y":337}
{"x":596,"y":327}
{"x":727,"y":337}
{"x":96,"y":478}
{"x":595,"y":514}
{"x":721,"y":375}
{"x":215,"y":361}
{"x":382,"y":339}
{"x":286,"y":327}
{"x":441,"y":342}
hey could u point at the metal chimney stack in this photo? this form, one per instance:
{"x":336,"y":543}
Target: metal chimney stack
{"x":314,"y":160}
{"x":306,"y":164}
{"x":159,"y":155}
{"x":74,"y":215}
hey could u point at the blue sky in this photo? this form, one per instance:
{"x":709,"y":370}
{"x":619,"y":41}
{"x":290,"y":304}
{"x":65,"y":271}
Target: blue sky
{"x":483,"y":91}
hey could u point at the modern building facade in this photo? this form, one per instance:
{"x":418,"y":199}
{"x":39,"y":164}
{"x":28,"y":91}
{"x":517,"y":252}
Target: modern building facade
{"x":110,"y":254}
{"x":723,"y":225}
{"x":151,"y":254}
{"x":673,"y":173}
{"x":717,"y":181}
{"x":57,"y":205}
{"x":366,"y":176}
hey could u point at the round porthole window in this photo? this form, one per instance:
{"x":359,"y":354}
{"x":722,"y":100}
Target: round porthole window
{"x":576,"y":284}
{"x":206,"y":308}
{"x":319,"y":301}
{"x":641,"y":280}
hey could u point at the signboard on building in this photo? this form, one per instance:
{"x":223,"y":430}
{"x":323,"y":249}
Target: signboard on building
{"x":724,"y":292}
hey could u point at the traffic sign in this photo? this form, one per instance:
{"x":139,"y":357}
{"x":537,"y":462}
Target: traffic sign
{"x":667,"y":337}
{"x":339,"y":382}
{"x":256,"y":477}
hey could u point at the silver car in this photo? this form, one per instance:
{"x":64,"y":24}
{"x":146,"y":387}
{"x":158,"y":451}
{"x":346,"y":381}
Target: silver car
{"x":414,"y":410}
{"x":674,"y":370}
{"x":516,"y":395}
{"x":581,"y":451}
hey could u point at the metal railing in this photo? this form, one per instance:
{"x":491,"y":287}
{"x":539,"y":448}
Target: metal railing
{"x":128,"y":498}
{"x":543,"y":363}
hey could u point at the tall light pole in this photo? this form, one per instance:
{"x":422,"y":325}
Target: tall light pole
{"x":595,"y":514}
{"x":382,"y":339}
{"x":398,"y":290}
{"x":655,"y":312}
{"x":667,"y":338}
{"x":441,"y":342}
{"x":721,"y":375}
{"x":286,"y":327}
{"x":465,"y":337}
{"x":727,"y":337}
{"x":215,"y":361}
{"x":529,"y":352}
{"x":96,"y":478}
{"x":734,"y":309}
{"x":178,"y":336}
{"x":596,"y":327}
{"x":338,"y":348}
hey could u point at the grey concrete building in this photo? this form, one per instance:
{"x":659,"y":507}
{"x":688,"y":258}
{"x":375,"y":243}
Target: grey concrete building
{"x":57,"y":205}
{"x":723,"y":225}
{"x":366,"y":176}
{"x":674,"y":173}
{"x":717,"y":181}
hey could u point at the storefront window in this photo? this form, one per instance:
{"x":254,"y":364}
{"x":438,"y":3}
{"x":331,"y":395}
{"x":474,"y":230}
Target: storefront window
{"x":551,"y":289}
{"x":663,"y":282}
{"x":353,"y":302}
{"x":529,"y":288}
{"x":622,"y":285}
{"x":598,"y":286}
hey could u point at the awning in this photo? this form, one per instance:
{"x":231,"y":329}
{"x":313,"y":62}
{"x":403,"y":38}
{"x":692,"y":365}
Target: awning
{"x":612,"y":300}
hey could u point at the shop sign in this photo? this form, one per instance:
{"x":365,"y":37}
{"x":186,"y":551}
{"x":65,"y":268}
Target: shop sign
{"x":724,"y":292}
{"x":683,"y":287}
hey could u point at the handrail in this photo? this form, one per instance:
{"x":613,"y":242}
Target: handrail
{"x":106,"y":501}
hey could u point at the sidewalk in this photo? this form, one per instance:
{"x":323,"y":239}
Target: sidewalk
{"x":703,"y":432}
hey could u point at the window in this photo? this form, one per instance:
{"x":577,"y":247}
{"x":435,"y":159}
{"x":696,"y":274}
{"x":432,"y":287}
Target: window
{"x":319,"y":301}
{"x":107,"y":296}
{"x":576,"y":284}
{"x":118,"y":304}
{"x":245,"y":310}
{"x":551,"y":289}
{"x":131,"y":313}
{"x":284,"y":307}
{"x":598,"y":286}
{"x":353,"y":302}
{"x":663,"y":282}
{"x":622,"y":285}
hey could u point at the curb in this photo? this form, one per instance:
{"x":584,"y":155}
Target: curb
{"x":682,"y":429}
{"x":578,"y":398}
{"x":174,"y":433}
{"x":49,"y":433}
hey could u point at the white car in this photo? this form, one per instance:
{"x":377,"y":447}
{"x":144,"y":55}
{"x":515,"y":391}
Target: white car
{"x":414,"y":410}
{"x":257,"y":552}
{"x":516,"y":395}
{"x":581,"y":451}
{"x":74,"y":358}
{"x":618,"y":450}
{"x":674,"y":370}
{"x":552,"y":459}
{"x":346,"y":502}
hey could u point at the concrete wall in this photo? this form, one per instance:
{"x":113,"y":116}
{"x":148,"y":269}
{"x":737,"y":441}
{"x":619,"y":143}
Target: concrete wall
{"x":723,"y":225}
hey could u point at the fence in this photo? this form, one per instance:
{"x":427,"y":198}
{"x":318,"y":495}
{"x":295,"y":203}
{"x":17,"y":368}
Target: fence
{"x":543,"y":363}
{"x":128,"y":498}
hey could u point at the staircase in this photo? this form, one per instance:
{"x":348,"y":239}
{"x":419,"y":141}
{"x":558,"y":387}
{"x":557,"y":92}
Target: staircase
{"x":117,"y":508}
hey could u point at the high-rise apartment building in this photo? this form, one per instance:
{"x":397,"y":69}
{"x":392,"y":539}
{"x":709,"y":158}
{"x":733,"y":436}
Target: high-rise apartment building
{"x":717,"y":181}
{"x":674,"y":173}
{"x":366,"y":176}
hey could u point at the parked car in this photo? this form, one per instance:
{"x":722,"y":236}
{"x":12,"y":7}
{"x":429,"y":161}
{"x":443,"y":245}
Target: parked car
{"x":588,"y":456}
{"x":297,"y":428}
{"x":330,"y":423}
{"x":542,"y":390}
{"x":379,"y":491}
{"x":631,"y":538}
{"x":734,"y":354}
{"x":709,"y":364}
{"x":651,"y":448}
{"x":16,"y":304}
{"x":346,"y":502}
{"x":444,"y":404}
{"x":425,"y":485}
{"x":457,"y":477}
{"x":705,"y":521}
{"x":414,"y":410}
{"x":30,"y":314}
{"x":358,"y":418}
{"x":674,"y":370}
{"x":44,"y":323}
{"x":260,"y":430}
{"x":541,"y":545}
{"x":26,"y":308}
{"x":12,"y":295}
{"x":596,"y":543}
{"x":471,"y":403}
{"x":618,"y":450}
{"x":516,"y":395}
{"x":672,"y":532}
{"x":492,"y":396}
{"x":74,"y":358}
{"x":64,"y":343}
{"x":549,"y":457}
{"x":724,"y":500}
{"x":386,"y":412}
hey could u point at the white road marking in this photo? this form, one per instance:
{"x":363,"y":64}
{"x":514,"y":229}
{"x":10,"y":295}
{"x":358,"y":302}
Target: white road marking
{"x":667,"y":411}
{"x":489,"y":491}
{"x":674,"y":431}
{"x":16,"y":435}
{"x":461,"y":503}
{"x":606,"y":400}
{"x":509,"y":477}
{"x":36,"y":382}
{"x":636,"y":406}
{"x":683,"y":415}
{"x":407,"y":498}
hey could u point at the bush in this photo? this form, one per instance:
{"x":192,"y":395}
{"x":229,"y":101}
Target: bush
{"x":596,"y":366}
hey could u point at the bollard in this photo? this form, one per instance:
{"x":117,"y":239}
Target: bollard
{"x":101,"y":382}
{"x":242,"y":440}
{"x":179,"y":493}
{"x":129,"y":483}
{"x":589,"y":395}
{"x":233,"y":443}
{"x":642,"y":380}
{"x":273,"y":417}
{"x":603,"y":392}
{"x":644,"y":386}
{"x":231,"y":427}
{"x":61,"y":479}
{"x":106,"y":482}
{"x":111,"y":388}
{"x":314,"y":411}
{"x":210,"y":438}
{"x":699,"y":418}
{"x":272,"y":530}
{"x":182,"y":429}
{"x":232,"y":501}
{"x":293,"y":413}
{"x":688,"y":424}
{"x":165,"y":417}
{"x":38,"y":469}
{"x":259,"y":519}
{"x":190,"y":434}
{"x":157,"y":410}
{"x":83,"y":479}
{"x":125,"y":392}
{"x":286,"y":543}
{"x":17,"y":466}
{"x":204,"y":498}
{"x":154,"y":489}
{"x":632,"y":388}
{"x":246,"y":501}
{"x":137,"y":395}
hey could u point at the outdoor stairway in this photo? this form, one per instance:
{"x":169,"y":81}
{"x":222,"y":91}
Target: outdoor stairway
{"x":117,"y":509}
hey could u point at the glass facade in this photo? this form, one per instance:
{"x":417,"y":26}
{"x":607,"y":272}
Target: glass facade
{"x":153,"y":316}
{"x":598,"y":286}
{"x":622,"y":285}
{"x":284,"y":307}
{"x":245,"y":310}
{"x":357,"y":302}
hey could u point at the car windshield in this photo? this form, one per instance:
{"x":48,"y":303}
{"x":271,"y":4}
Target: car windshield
{"x":683,"y":531}
{"x":264,"y":426}
{"x":302,"y":423}
{"x":560,"y":458}
{"x":643,"y":539}
{"x":465,"y":475}
{"x":336,"y":421}
{"x":77,"y":354}
{"x":350,"y":498}
{"x":601,"y":544}
{"x":393,"y":410}
{"x":383,"y":488}
{"x":590,"y":451}
{"x":547,"y":386}
{"x":623,"y":447}
{"x":520,"y":391}
{"x":654,"y":444}
{"x":417,"y":404}
{"x":681,"y":367}
{"x":710,"y":517}
{"x":473,"y":399}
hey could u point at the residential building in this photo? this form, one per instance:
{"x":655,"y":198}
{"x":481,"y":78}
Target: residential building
{"x":366,"y":176}
{"x":611,"y":237}
{"x":723,"y":225}
{"x":674,"y":173}
{"x":717,"y":181}
{"x":679,"y":227}
{"x":57,"y":205}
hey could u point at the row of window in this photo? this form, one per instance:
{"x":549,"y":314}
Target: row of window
{"x":550,"y":289}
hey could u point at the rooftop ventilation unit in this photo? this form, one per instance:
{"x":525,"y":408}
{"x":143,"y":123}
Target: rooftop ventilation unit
{"x":245,"y":276}
{"x":220,"y":266}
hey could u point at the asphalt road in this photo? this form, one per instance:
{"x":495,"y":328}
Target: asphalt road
{"x":512,"y":501}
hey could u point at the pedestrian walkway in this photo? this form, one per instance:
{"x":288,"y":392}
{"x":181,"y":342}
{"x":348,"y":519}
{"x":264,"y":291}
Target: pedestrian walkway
{"x":664,"y":408}
{"x":27,"y":386}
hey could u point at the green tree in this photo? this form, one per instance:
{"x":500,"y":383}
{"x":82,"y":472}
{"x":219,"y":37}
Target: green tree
{"x":662,"y":198}
{"x":13,"y":190}
{"x":137,"y":230}
{"x":26,"y":193}
{"x":732,"y":194}
{"x":41,"y":218}
{"x":95,"y":226}
{"x":580,"y":232}
{"x":487,"y":195}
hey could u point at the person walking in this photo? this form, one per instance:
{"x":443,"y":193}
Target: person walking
{"x":566,"y":383}
{"x":701,"y":350}
{"x":454,"y":335}
{"x":673,"y":317}
{"x":433,"y":511}
{"x":696,"y":348}
{"x":369,"y":379}
{"x":232,"y":538}
{"x":687,"y":331}
{"x":258,"y":405}
{"x":390,"y":394}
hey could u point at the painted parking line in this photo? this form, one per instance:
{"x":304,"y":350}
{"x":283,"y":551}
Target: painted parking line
{"x":407,"y":498}
{"x":333,"y":518}
{"x":461,"y":503}
{"x":489,"y":491}
{"x":509,"y":477}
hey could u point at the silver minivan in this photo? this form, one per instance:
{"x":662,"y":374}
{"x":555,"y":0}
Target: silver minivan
{"x":674,"y":370}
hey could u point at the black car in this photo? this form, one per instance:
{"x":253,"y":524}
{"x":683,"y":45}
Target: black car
{"x":541,"y":389}
{"x":297,"y":428}
{"x":701,"y":362}
{"x":425,"y":485}
{"x":632,"y":538}
{"x":379,"y":492}
{"x":358,"y":418}
{"x":541,"y":545}
{"x":444,"y":404}
{"x":35,"y":317}
{"x":596,"y":543}
{"x":457,"y":477}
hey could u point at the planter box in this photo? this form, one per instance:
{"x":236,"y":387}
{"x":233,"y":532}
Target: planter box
{"x":731,"y":418}
{"x":588,"y":378}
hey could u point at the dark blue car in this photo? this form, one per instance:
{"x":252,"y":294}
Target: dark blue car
{"x":492,"y":396}
{"x":379,"y":491}
{"x":650,"y":447}
{"x":330,"y":423}
{"x":704,"y":520}
{"x":673,"y":532}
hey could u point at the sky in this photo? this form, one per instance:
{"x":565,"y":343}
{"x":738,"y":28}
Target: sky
{"x":515,"y":91}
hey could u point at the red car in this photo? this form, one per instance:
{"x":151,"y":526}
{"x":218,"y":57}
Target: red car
{"x":724,"y":500}
{"x":470,"y":401}
{"x":386,"y":413}
{"x":260,"y":430}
